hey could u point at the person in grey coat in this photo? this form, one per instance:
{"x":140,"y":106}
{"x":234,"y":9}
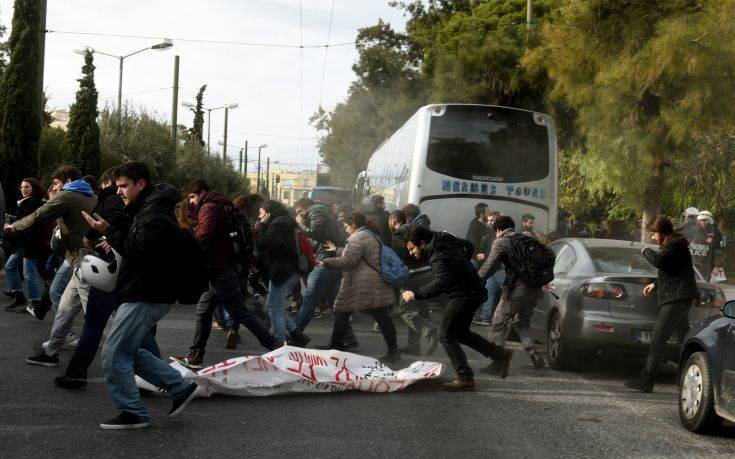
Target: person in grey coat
{"x":517,"y":298}
{"x":362,"y":288}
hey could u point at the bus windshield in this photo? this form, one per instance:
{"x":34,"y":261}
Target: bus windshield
{"x":488,"y":143}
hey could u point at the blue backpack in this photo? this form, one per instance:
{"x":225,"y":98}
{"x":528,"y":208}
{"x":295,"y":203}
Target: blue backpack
{"x":393,"y":271}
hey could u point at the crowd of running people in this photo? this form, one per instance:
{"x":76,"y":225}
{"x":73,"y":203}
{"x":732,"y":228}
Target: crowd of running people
{"x":120,"y":251}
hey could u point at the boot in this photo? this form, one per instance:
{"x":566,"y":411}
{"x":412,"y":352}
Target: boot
{"x":298,"y":338}
{"x":19,"y":302}
{"x":459,"y":385}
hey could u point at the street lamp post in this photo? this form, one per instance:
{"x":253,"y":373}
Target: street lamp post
{"x":165,"y":44}
{"x":258,"y":187}
{"x":228,"y":107}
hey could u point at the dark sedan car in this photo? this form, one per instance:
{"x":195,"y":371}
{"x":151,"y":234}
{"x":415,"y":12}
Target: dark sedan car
{"x":596,"y":302}
{"x":707,"y":373}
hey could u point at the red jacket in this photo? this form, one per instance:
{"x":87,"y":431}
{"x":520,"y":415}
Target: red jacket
{"x":212,"y":231}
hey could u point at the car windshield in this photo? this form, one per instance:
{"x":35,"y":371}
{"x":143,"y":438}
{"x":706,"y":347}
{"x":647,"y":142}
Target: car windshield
{"x":330,"y":195}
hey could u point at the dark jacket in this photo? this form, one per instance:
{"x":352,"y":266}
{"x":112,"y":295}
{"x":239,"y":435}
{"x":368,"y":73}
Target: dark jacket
{"x":275,"y":244}
{"x":110,"y":207}
{"x":675,"y":280}
{"x":320,"y":226}
{"x":422,"y":220}
{"x":704,"y":247}
{"x":212,"y":231}
{"x":475,"y":232}
{"x":501,"y":253}
{"x":398,"y":244}
{"x":148,"y":248}
{"x":33,"y":242}
{"x":380,"y":218}
{"x":453,"y":272}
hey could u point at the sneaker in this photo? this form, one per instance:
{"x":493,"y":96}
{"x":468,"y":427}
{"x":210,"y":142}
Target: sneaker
{"x":538,"y":360}
{"x":391,"y":357}
{"x":19,"y":302}
{"x":71,"y":338}
{"x":231,"y":342}
{"x":500,"y":367}
{"x":298,"y":339}
{"x":124,"y":421}
{"x":43,"y":307}
{"x":189,"y":361}
{"x":482,"y":322}
{"x":182,"y":400}
{"x":432,"y":342}
{"x":74,"y":343}
{"x":459,"y":385}
{"x":376,"y":327}
{"x":639,"y":384}
{"x":317,"y":314}
{"x":43,"y":359}
{"x":69,"y":383}
{"x":216,"y":325}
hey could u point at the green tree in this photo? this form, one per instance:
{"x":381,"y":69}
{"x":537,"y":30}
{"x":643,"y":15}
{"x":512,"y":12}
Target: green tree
{"x":20,"y":99}
{"x":643,"y":78}
{"x":83,"y":136}
{"x":197,"y":129}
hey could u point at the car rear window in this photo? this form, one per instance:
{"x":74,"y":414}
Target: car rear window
{"x":620,"y":260}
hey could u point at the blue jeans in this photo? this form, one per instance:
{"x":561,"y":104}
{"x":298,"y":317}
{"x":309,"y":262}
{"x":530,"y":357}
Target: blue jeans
{"x":493,"y":284}
{"x":275,"y":305}
{"x":61,"y":280}
{"x":123,"y":358}
{"x":30,"y":274}
{"x":322,"y":282}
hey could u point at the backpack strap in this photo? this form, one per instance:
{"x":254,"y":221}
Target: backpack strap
{"x":380,"y":251}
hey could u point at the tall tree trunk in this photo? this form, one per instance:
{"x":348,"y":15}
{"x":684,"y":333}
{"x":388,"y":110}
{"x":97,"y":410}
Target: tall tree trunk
{"x":652,"y":200}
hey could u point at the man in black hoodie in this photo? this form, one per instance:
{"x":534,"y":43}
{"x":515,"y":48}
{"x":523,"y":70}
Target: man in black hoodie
{"x":478,"y":226}
{"x":677,"y":290}
{"x":455,"y":277}
{"x":146,"y":288}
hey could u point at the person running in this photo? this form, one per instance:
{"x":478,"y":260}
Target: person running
{"x":33,"y":245}
{"x":362,"y":288}
{"x":146,"y":288}
{"x":676,"y":288}
{"x":416,"y":314}
{"x":276,"y":246}
{"x":516,"y":299}
{"x":318,"y":224}
{"x":455,"y":277}
{"x":228,"y":275}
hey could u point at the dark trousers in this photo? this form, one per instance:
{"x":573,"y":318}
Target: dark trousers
{"x":380,"y":315}
{"x":100,"y":306}
{"x":417,"y":316}
{"x":672,"y":318}
{"x":228,"y":288}
{"x":454,"y":331}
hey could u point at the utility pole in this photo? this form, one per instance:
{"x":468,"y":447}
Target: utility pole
{"x":209,"y":125}
{"x":268,"y":175}
{"x":224,"y":143}
{"x":240,"y":168}
{"x":245,"y":167}
{"x":175,"y":106}
{"x":41,"y":53}
{"x":529,"y":13}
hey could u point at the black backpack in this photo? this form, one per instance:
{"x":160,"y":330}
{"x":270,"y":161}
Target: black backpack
{"x":239,"y":235}
{"x":532,"y":261}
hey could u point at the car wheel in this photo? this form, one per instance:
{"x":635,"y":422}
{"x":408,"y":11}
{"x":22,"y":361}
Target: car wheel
{"x":560,"y":356}
{"x":696,"y":395}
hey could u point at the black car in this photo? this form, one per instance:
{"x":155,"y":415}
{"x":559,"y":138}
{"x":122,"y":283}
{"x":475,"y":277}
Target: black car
{"x":707,"y":373}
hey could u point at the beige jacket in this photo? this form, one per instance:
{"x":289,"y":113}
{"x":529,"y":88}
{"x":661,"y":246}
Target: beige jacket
{"x":362,"y":286}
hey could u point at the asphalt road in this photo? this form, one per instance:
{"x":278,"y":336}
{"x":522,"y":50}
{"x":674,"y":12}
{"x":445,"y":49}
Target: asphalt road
{"x":533,"y":413}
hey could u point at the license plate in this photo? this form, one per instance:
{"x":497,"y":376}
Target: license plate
{"x":644,"y":337}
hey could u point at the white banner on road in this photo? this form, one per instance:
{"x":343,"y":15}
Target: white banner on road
{"x":293,"y":370}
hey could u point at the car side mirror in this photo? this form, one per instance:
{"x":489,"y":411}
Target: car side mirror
{"x":728,"y":310}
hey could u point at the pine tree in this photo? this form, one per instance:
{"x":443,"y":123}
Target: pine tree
{"x":20,"y":99}
{"x":197,"y":128}
{"x":83,"y":136}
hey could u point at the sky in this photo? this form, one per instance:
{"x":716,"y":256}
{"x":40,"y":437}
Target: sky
{"x":266,"y":82}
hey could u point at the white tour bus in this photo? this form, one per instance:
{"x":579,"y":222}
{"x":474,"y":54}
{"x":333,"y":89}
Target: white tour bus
{"x":448,"y":157}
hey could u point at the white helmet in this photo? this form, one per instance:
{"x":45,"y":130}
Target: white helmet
{"x":691,"y":212}
{"x":101,"y":270}
{"x":706,"y":215}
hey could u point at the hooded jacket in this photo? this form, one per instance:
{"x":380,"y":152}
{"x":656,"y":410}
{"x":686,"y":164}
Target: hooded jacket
{"x":211,"y":230}
{"x":67,"y":207}
{"x":453,"y":272}
{"x":320,"y":226}
{"x":675,"y":281}
{"x":501,"y":253}
{"x":275,"y":244}
{"x":148,"y":248}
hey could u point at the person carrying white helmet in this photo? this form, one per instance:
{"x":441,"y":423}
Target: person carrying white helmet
{"x":688,"y":226}
{"x":706,"y":244}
